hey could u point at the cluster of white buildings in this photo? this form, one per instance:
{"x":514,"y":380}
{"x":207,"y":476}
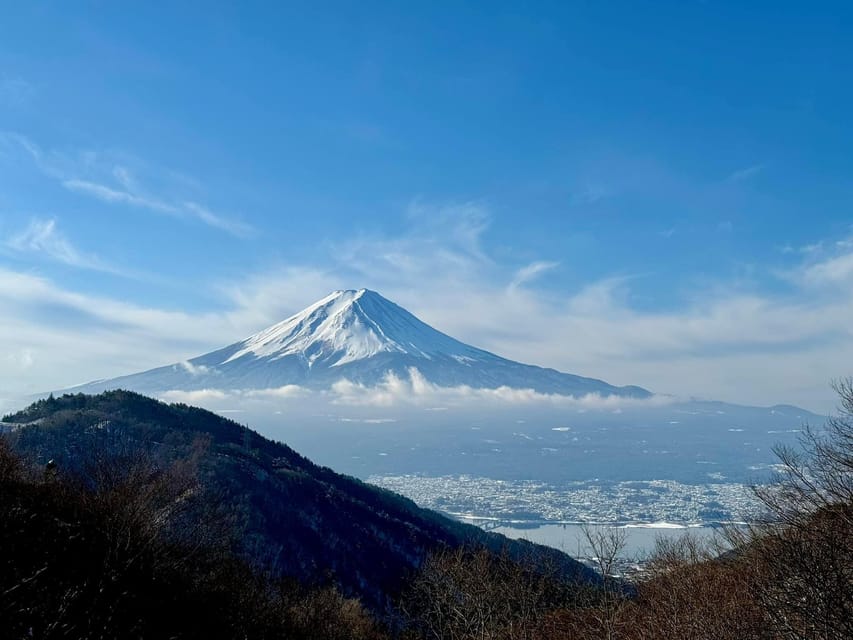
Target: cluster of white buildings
{"x":510,"y":501}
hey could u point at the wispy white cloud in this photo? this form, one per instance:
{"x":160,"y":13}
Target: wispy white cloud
{"x":263,"y":298}
{"x":590,"y":194}
{"x":234,"y":227}
{"x":834,"y":271}
{"x":745,"y":173}
{"x":100,"y":176}
{"x":442,"y":245}
{"x":195,"y":369}
{"x":456,"y":226}
{"x":277,"y":393}
{"x":808,"y":249}
{"x":531,"y":271}
{"x":117,"y":196}
{"x":125,"y":178}
{"x":44,"y":237}
{"x":825,"y":268}
{"x":11,"y":142}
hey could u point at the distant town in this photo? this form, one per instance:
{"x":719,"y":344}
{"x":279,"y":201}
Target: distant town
{"x":529,"y":501}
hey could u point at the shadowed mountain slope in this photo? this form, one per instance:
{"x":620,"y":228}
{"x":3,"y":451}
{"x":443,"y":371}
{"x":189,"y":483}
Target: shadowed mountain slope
{"x":289,"y":517}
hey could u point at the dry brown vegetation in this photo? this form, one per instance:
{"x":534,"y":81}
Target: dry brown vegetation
{"x":473,"y":593}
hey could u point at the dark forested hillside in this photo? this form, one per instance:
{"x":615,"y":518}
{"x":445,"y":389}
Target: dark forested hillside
{"x":283,"y":514}
{"x":132,"y":552}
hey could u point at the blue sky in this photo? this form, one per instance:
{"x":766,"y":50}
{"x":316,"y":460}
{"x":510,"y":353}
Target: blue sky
{"x":652,"y":193}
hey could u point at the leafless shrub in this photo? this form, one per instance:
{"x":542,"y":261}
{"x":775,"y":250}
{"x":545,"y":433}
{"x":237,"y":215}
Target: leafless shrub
{"x":607,"y":545}
{"x":805,"y":546}
{"x":468,"y":593}
{"x":325,"y":613}
{"x":688,"y":592}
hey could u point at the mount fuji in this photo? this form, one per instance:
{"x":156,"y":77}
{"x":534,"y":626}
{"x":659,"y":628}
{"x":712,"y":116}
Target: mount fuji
{"x":361,"y":337}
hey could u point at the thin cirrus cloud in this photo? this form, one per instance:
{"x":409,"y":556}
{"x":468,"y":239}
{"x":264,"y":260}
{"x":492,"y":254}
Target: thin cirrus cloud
{"x":745,"y":173}
{"x":43,"y":237}
{"x":590,"y":194}
{"x":116,"y":196}
{"x":531,"y":271}
{"x":115,"y":184}
{"x":234,"y":227}
{"x":180,"y":209}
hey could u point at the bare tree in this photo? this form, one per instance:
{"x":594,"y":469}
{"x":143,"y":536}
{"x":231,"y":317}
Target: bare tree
{"x":689,"y":593}
{"x":607,"y":546}
{"x":465,"y":593}
{"x":804,"y":547}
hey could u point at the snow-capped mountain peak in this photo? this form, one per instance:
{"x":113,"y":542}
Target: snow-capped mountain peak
{"x":346,"y":326}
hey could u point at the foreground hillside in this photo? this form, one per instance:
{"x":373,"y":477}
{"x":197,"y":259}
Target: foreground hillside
{"x":285,"y":515}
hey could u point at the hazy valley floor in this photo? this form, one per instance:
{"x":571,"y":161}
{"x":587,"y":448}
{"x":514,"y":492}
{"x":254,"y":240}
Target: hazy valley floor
{"x":531,"y":470}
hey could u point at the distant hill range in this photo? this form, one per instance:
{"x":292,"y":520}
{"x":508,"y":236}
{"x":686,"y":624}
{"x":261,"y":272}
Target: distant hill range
{"x":359,"y":336}
{"x":292,"y":517}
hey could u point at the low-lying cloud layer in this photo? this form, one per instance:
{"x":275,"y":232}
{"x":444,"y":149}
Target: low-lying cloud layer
{"x":418,"y":391}
{"x":413,"y":391}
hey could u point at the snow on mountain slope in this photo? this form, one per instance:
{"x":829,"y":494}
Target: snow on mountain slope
{"x":361,"y":337}
{"x":346,"y":326}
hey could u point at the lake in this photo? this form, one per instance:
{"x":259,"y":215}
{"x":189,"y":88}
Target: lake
{"x":639,"y":542}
